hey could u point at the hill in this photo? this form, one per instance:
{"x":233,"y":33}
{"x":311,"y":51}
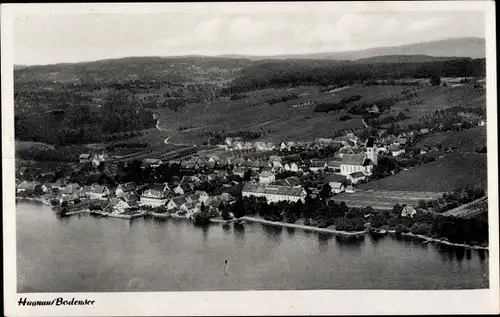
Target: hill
{"x":420,"y":58}
{"x":460,"y":47}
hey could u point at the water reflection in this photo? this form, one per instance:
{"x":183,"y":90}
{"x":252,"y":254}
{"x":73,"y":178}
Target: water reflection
{"x":460,"y":253}
{"x":205,"y":229}
{"x":273,"y":232}
{"x":239,"y":231}
{"x":351,"y":243}
{"x":226,"y":228}
{"x":481,"y":254}
{"x":323,"y":242}
{"x":290,"y":231}
{"x":468,"y":254}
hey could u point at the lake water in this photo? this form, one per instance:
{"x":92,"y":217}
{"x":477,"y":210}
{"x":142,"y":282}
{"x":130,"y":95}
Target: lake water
{"x":90,"y":254}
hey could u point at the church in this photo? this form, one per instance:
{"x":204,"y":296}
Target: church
{"x":364,"y":162}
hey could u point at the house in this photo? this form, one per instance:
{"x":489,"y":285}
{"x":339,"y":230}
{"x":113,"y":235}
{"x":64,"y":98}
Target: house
{"x":334,"y":165}
{"x":203,"y":196}
{"x":84,"y":192}
{"x":190,"y":208}
{"x":85,"y":158}
{"x":408,"y":211}
{"x":240,"y":171}
{"x":156,"y":195}
{"x":29,"y":188}
{"x":396,"y":149}
{"x":316,"y":166}
{"x":71,"y":190}
{"x":343,"y":140}
{"x":350,"y":189}
{"x":482,"y":123}
{"x":125,"y":188}
{"x":292,"y":167}
{"x":424,"y":131}
{"x":374,"y":109}
{"x":402,"y":141}
{"x":59,"y":184}
{"x":266,"y":177}
{"x":274,"y":193}
{"x":154,"y":163}
{"x":98,"y":159}
{"x":356,"y":177}
{"x":47,"y":188}
{"x":183,"y":188}
{"x":100,"y":192}
{"x":352,"y":163}
{"x":276,"y":165}
{"x":176,"y":203}
{"x":117,"y":206}
{"x":336,"y":187}
{"x":345,"y":150}
{"x":66,"y":199}
{"x":226,"y":198}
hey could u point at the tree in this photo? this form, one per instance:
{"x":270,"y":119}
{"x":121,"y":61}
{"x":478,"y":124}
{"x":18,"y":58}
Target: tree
{"x":225,"y":213}
{"x":239,"y":209}
{"x":248,"y":175}
{"x":325,"y":191}
{"x":435,"y":80}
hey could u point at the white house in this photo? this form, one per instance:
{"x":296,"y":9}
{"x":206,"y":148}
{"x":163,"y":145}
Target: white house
{"x":266,"y":177}
{"x":274,"y":193}
{"x":85,"y":158}
{"x":156,"y":195}
{"x":99,"y":192}
{"x":117,"y":206}
{"x":356,"y":177}
{"x":318,"y":165}
{"x":175,"y":203}
{"x":396,"y":149}
{"x":352,"y":163}
{"x":408,"y":211}
{"x":293,"y":167}
{"x":337,"y":187}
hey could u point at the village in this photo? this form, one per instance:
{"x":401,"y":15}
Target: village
{"x":210,"y":183}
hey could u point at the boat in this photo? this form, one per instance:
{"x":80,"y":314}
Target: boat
{"x":376,"y":232}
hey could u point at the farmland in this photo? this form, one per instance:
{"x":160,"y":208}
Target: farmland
{"x":449,"y":173}
{"x":283,"y":121}
{"x":464,"y":141}
{"x":384,"y":199}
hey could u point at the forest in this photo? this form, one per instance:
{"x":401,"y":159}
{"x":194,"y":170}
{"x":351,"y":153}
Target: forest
{"x":267,"y":74}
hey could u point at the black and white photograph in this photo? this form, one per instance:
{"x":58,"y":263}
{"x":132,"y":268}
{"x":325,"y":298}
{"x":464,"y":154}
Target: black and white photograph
{"x":266,"y":149}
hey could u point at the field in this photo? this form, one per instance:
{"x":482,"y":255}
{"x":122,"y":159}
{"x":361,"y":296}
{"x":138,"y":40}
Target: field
{"x":282,"y":121}
{"x":382,"y":199}
{"x":447,"y":174}
{"x":464,"y":141}
{"x":469,"y":210}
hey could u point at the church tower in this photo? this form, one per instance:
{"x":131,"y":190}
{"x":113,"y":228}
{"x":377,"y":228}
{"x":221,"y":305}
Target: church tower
{"x":371,"y":150}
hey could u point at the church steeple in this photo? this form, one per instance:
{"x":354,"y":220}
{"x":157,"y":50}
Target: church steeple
{"x":371,"y":150}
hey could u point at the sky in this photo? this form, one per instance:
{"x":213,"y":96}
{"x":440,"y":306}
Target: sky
{"x":55,"y":38}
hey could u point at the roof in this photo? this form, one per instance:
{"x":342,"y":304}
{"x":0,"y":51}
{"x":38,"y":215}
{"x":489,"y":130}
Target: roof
{"x":334,"y":178}
{"x":84,"y":156}
{"x":334,"y":163}
{"x":28,"y":185}
{"x":225,"y":197}
{"x":239,"y":169}
{"x":357,"y":174}
{"x":272,"y":189}
{"x":394,"y":147}
{"x":127,"y":187}
{"x":403,"y":141}
{"x":179,"y":200}
{"x":318,"y":163}
{"x":159,"y":187}
{"x":98,"y":189}
{"x":336,"y":185}
{"x":353,"y":159}
{"x":266,"y":174}
{"x":368,"y":162}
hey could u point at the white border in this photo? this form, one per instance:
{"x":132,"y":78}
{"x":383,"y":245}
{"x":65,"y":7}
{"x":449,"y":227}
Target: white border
{"x":248,"y":302}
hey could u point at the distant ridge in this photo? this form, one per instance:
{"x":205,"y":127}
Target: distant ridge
{"x":403,"y":59}
{"x":472,"y":47}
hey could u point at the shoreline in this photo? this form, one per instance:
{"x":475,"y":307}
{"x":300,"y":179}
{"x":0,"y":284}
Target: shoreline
{"x":303,"y":227}
{"x":272,"y":223}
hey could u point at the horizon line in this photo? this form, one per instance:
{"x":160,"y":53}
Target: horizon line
{"x":247,"y":56}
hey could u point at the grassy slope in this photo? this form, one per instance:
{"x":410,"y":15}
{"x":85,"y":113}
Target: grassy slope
{"x":464,"y":141}
{"x":446,"y":174}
